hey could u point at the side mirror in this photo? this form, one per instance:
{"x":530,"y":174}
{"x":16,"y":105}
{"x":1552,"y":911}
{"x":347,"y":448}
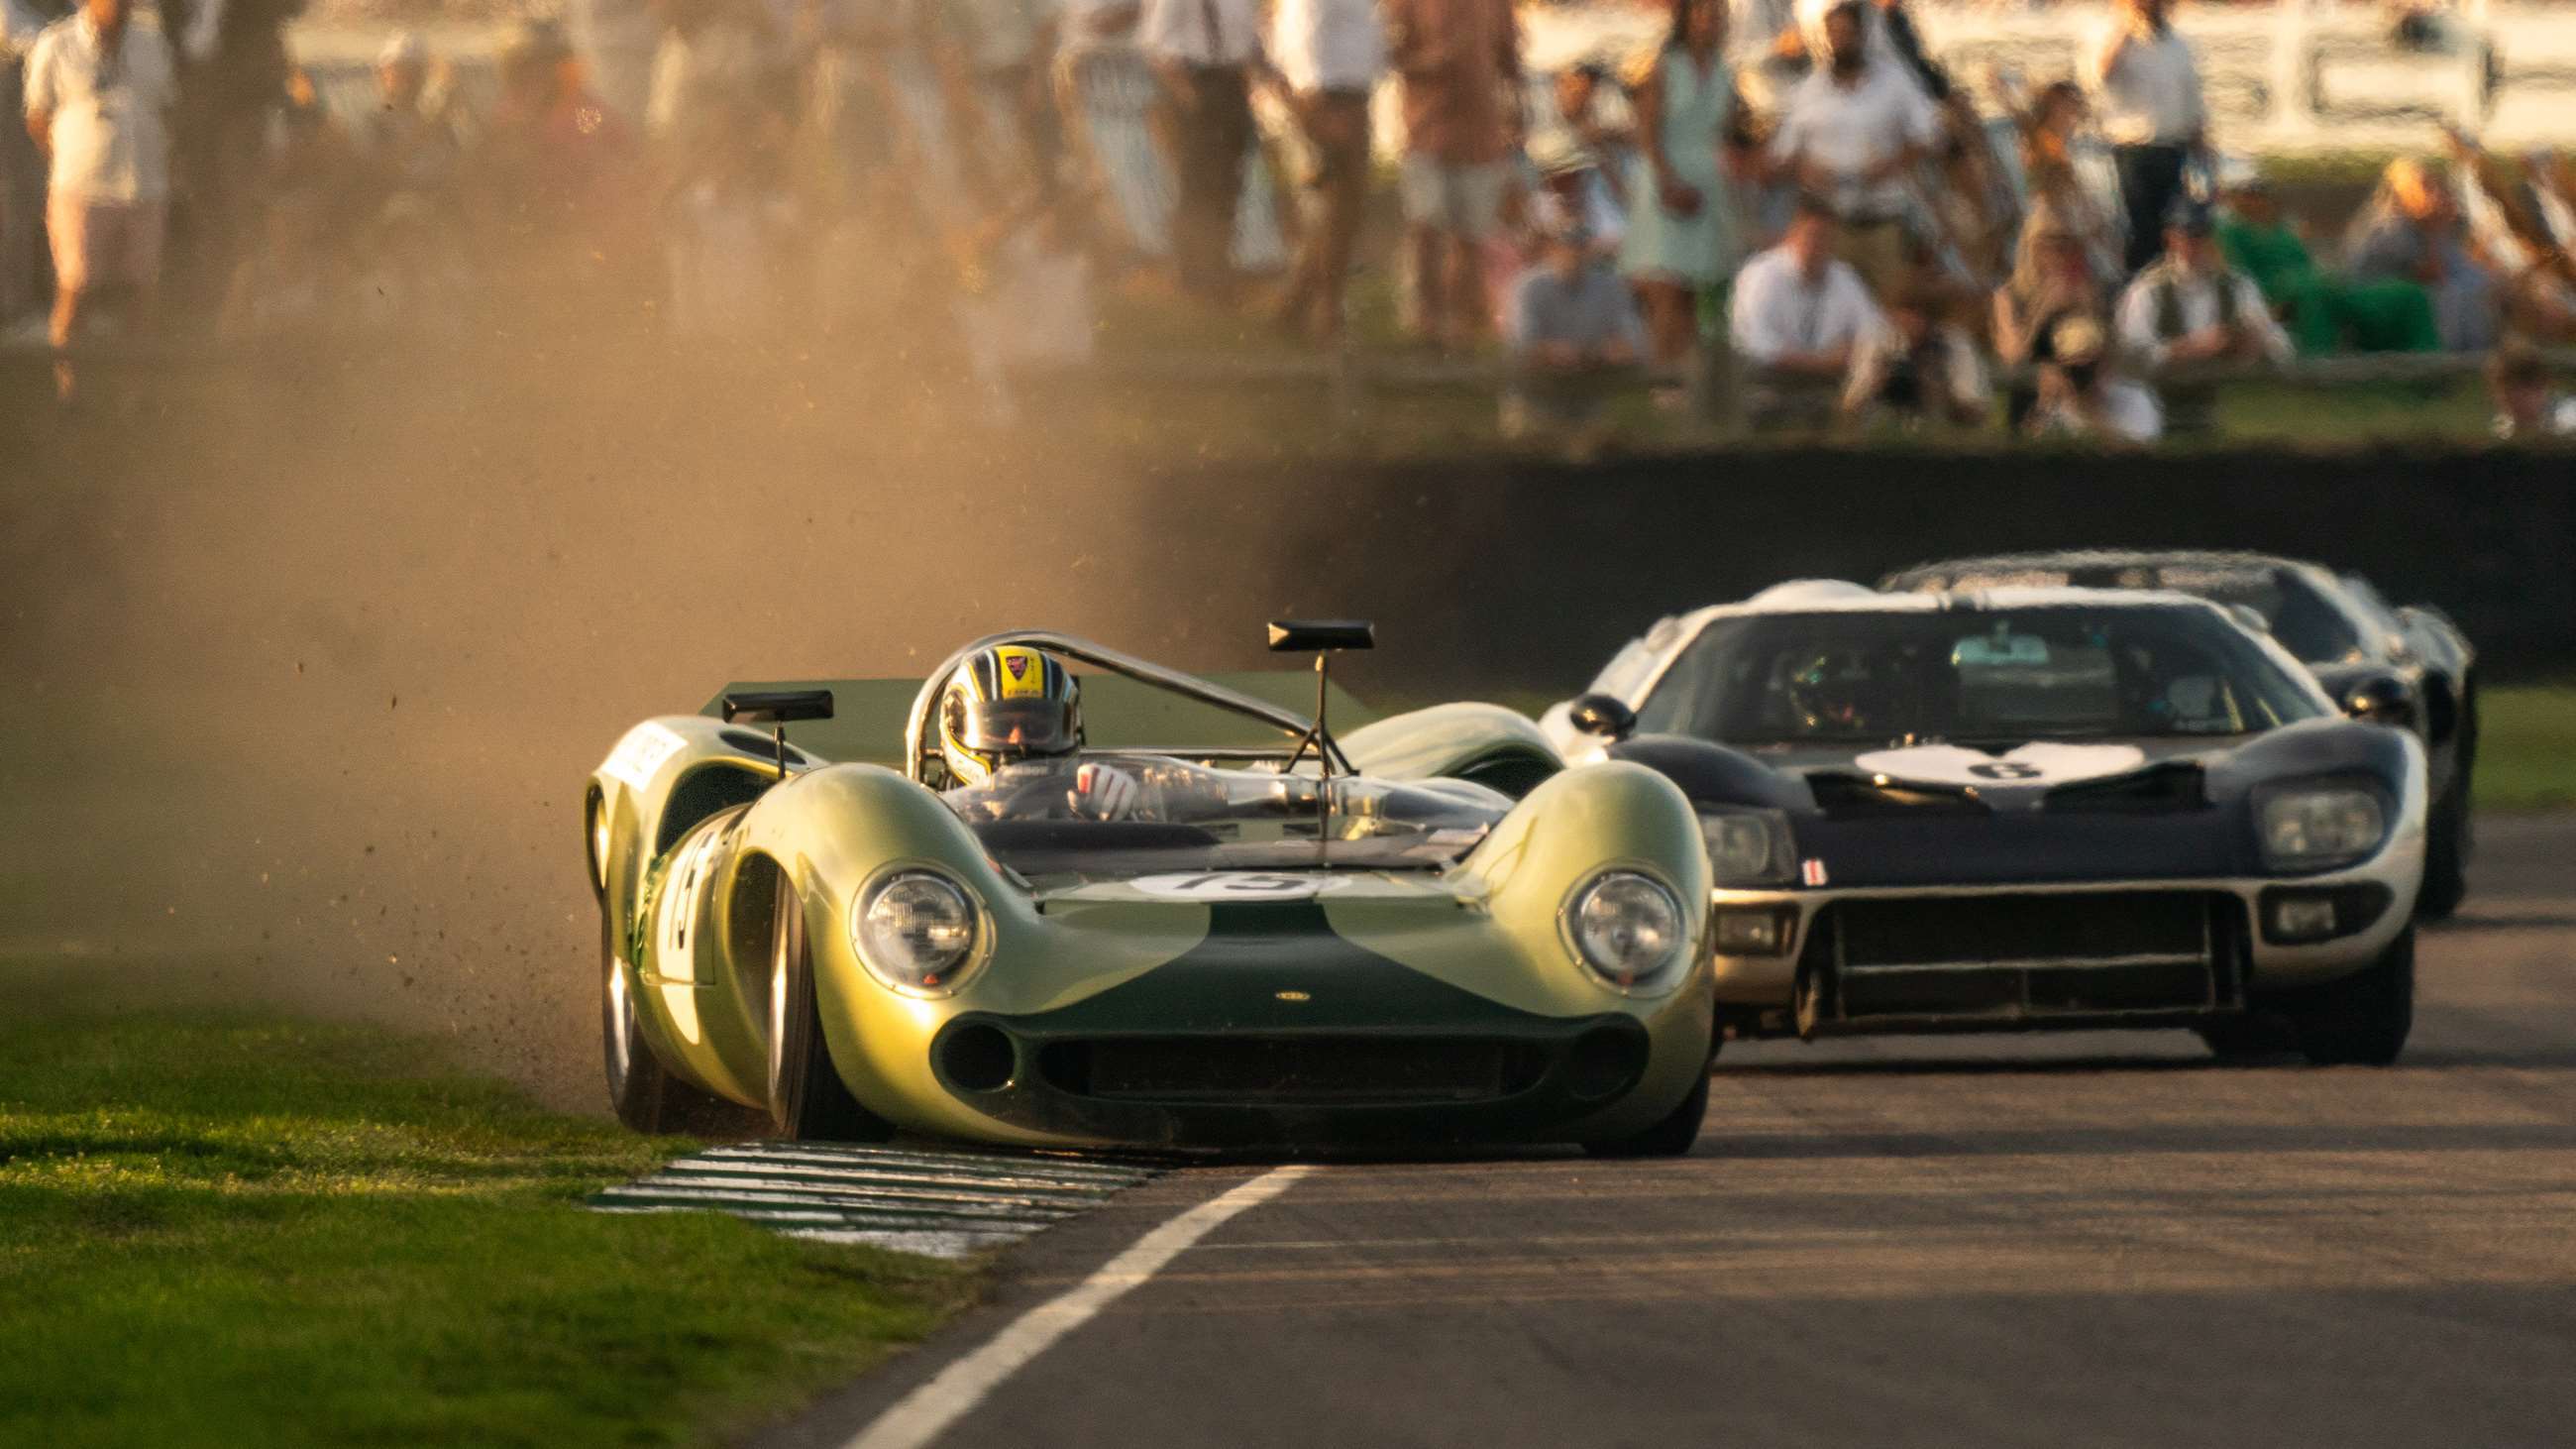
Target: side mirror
{"x":1604,"y":715}
{"x":777,"y":706}
{"x":2380,"y":699}
{"x":1317,"y":636}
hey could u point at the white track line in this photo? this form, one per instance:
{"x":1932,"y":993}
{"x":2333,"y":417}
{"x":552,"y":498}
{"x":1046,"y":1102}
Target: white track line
{"x":928,"y":1411}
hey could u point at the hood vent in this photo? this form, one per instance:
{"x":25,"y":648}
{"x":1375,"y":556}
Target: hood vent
{"x":1860,"y":797}
{"x":2164,"y":789}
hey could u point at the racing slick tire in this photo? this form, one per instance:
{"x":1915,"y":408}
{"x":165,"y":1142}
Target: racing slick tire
{"x":1671,"y":1137}
{"x":644,"y":1094}
{"x":808,"y":1101}
{"x":2249,"y":1038}
{"x":2446,"y":857}
{"x":2361,"y":1019}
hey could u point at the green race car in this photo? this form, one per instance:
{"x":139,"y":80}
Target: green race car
{"x":1423,"y":933}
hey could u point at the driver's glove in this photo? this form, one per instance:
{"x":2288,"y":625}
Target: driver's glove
{"x":1103,"y":792}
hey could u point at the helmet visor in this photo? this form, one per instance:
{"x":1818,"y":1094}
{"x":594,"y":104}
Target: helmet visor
{"x":1017,"y":726}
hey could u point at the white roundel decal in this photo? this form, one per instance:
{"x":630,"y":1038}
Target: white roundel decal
{"x":1235,"y":885}
{"x":2036,"y":764}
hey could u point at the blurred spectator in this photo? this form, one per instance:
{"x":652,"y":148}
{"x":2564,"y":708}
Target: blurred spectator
{"x":2054,"y":175}
{"x":2190,"y":308}
{"x":99,"y":93}
{"x":1853,"y":135}
{"x":409,"y":249}
{"x":1460,"y":63}
{"x":1684,"y":234}
{"x":1330,"y":55}
{"x":1765,"y":49}
{"x":2080,"y":397}
{"x":2325,"y":314}
{"x":233,"y":68}
{"x":2053,"y":281}
{"x":1573,"y":335}
{"x":1589,"y":110}
{"x":2508,"y":231}
{"x":1205,"y":52}
{"x":718,"y":131}
{"x":2147,"y":88}
{"x":2412,"y":232}
{"x":1929,"y":368}
{"x":1004,"y":51}
{"x":2528,"y":408}
{"x":616,"y":40}
{"x":295,"y":271}
{"x":1024,"y":299}
{"x":554,"y":173}
{"x":1574,"y":182}
{"x":1804,"y":321}
{"x":22,"y":170}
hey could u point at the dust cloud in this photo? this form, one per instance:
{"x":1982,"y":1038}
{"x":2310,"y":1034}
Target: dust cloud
{"x":307,"y":658}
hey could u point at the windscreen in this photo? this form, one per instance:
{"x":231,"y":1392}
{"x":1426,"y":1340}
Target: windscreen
{"x":1043,"y":819}
{"x":1973,"y":676}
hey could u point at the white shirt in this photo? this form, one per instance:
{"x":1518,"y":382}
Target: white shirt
{"x":2123,"y":408}
{"x":1328,"y":45}
{"x":1777,"y":312}
{"x":1200,"y":32}
{"x":1848,"y":131}
{"x":111,"y":134}
{"x":2197,"y":300}
{"x":2152,"y":95}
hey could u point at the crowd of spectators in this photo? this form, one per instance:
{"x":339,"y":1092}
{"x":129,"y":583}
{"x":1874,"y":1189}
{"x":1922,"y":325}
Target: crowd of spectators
{"x":1793,"y":189}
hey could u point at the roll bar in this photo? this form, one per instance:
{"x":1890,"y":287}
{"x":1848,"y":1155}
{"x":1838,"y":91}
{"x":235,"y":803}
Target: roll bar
{"x":917,"y":738}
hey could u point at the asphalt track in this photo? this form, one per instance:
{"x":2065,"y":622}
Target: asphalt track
{"x":2099,"y":1239}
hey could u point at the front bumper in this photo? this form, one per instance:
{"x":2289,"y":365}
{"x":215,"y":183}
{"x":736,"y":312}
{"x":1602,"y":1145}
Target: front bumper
{"x":1540,"y":1081}
{"x":2127,"y":953}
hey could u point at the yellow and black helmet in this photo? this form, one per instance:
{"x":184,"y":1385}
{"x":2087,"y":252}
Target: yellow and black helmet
{"x":1007,"y":704}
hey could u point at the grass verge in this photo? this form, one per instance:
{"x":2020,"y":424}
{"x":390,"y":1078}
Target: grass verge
{"x":2527,"y":747}
{"x":233,"y":1230}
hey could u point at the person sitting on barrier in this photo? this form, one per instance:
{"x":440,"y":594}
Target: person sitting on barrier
{"x":2528,"y":407}
{"x":2325,"y":313}
{"x":2053,"y":280}
{"x":1574,"y":337}
{"x":2191,"y":309}
{"x":1805,"y":325}
{"x":2413,"y":231}
{"x":2080,"y":396}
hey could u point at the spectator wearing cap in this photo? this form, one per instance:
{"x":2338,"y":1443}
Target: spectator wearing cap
{"x":2081,"y":397}
{"x":2412,"y":231}
{"x":1684,"y":235}
{"x":2528,"y":408}
{"x":2146,"y":87}
{"x":1329,"y":55}
{"x":2191,"y":308}
{"x":1805,"y":322}
{"x":1460,"y":66}
{"x":1853,"y":135}
{"x":1206,"y":52}
{"x":2325,"y":313}
{"x":1572,"y":330}
{"x":99,"y":91}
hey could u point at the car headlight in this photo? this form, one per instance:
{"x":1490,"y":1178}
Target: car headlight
{"x":1746,"y":847}
{"x":2320,"y":826}
{"x":917,"y":931}
{"x":1628,"y":928}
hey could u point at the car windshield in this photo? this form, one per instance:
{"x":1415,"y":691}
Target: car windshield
{"x":1185,"y":816}
{"x":1984,"y":675}
{"x":2305,"y":621}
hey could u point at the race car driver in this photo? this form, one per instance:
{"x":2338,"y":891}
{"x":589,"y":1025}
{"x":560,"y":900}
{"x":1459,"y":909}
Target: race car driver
{"x":1010,"y":727}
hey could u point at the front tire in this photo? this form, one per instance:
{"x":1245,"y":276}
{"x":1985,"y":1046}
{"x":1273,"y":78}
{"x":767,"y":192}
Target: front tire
{"x":1671,"y":1137}
{"x":643,"y":1093}
{"x":2362,"y":1019}
{"x":808,"y":1101}
{"x":2446,"y":856}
